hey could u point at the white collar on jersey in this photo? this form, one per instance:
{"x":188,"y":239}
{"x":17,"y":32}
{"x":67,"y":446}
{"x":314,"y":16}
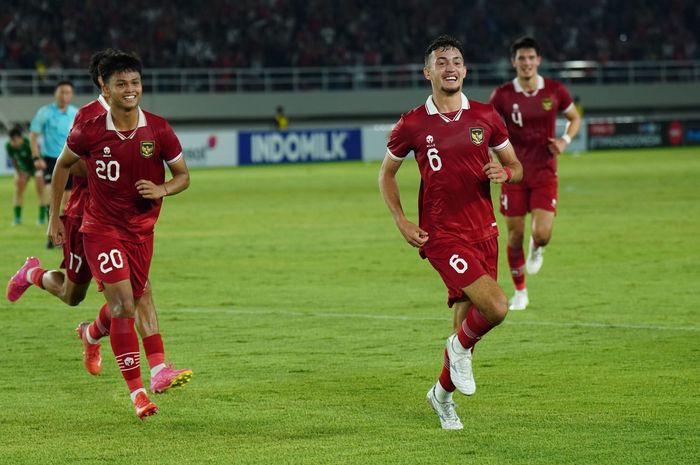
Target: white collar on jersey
{"x":111,"y":127}
{"x":519,"y":88}
{"x":103,"y":102}
{"x":432,"y":109}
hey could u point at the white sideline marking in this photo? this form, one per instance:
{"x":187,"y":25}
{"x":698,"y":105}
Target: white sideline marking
{"x":561,"y":324}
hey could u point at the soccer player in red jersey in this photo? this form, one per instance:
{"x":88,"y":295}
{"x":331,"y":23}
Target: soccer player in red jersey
{"x":451,"y":138}
{"x":72,"y":286}
{"x":124,"y":150}
{"x":529,"y":105}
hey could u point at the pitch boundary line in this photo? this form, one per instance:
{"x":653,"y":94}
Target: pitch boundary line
{"x":369,"y":316}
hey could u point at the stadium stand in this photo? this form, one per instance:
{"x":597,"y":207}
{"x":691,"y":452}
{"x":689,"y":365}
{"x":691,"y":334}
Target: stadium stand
{"x":54,"y":35}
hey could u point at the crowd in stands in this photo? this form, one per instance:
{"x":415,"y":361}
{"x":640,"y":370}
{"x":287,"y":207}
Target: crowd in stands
{"x":56,"y":34}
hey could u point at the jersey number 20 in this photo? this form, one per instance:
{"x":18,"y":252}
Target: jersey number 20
{"x":108,"y":171}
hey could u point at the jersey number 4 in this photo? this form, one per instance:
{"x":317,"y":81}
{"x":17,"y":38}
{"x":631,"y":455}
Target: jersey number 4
{"x":108,"y":171}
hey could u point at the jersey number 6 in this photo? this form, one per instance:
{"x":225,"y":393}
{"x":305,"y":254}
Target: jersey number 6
{"x":434,"y":159}
{"x":459,"y":264}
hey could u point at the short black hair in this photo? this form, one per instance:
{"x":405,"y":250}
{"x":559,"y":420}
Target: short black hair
{"x":442,"y":43}
{"x":64,"y":83}
{"x":16,"y":131}
{"x":95,"y":60}
{"x":119,"y":62}
{"x":524,"y":42}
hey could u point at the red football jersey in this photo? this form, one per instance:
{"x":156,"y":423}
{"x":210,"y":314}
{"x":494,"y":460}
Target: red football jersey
{"x":451,"y":150}
{"x":115,"y":161}
{"x":79,"y":192}
{"x":531,"y":119}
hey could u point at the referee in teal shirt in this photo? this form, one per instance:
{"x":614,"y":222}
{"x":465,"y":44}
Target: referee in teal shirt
{"x":52,"y":122}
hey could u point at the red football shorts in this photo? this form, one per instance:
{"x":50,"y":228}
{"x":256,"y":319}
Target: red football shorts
{"x":74,"y":261}
{"x":112,"y":260}
{"x":460,"y":264}
{"x":518,"y":200}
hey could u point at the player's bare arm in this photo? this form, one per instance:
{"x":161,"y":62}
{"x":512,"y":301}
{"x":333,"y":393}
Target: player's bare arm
{"x":390,"y":191}
{"x":79,"y":169}
{"x":39,"y":162}
{"x":179,"y":182}
{"x":496,"y":170}
{"x":573,"y":124}
{"x":65,"y":161}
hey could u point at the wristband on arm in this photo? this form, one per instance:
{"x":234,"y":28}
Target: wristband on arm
{"x":566,"y":138}
{"x":509,"y":173}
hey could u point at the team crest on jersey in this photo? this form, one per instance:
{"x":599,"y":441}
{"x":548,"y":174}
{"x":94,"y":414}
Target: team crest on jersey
{"x":477,"y":135}
{"x":429,"y":139}
{"x":106,"y":152}
{"x":547,"y":104}
{"x":147,"y":147}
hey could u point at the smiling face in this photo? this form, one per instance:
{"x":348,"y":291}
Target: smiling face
{"x":123,"y":90}
{"x":445,"y":69}
{"x":526,"y":61}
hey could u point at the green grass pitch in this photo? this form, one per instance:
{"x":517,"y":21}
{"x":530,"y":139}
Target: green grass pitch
{"x":314,"y":330}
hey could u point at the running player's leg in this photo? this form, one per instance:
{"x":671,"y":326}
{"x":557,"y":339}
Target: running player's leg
{"x":542,"y":225}
{"x":163,"y":376}
{"x":40,"y":188}
{"x":514,"y":206}
{"x":21,"y":179}
{"x":72,"y":285}
{"x":543,"y":204}
{"x":56,"y":283}
{"x":111,"y":263}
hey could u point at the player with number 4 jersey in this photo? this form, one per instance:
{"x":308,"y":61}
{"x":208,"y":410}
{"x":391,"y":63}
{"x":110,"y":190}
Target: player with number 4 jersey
{"x":451,"y":137}
{"x":529,"y":104}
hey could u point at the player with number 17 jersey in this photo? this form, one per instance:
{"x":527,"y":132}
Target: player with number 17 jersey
{"x":451,"y":150}
{"x":115,"y":161}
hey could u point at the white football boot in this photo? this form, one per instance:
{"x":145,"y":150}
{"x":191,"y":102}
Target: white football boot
{"x":519,"y":300}
{"x":460,"y":366}
{"x":445,"y":411}
{"x":535,"y":258}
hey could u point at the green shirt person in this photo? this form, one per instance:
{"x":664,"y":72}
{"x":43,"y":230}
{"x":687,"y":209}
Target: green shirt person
{"x":19,"y":151}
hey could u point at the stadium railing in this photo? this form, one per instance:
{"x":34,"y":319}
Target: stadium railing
{"x":240,"y":80}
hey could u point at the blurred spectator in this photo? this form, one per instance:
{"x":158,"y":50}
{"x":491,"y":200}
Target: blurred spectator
{"x":51,"y":35}
{"x":281,"y":120}
{"x":578,"y":105}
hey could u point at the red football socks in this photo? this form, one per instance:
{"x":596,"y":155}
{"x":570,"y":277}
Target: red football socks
{"x":445,"y":380}
{"x":36,"y":276}
{"x":125,"y":345}
{"x":516,"y":261}
{"x":473,"y":327}
{"x":100,"y":327}
{"x":153,"y":346}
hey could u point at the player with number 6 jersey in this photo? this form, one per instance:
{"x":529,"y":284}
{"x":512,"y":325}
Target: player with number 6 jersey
{"x":451,"y":137}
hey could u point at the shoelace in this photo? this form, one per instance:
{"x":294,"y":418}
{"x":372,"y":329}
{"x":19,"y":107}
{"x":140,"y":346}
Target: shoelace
{"x":451,"y":413}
